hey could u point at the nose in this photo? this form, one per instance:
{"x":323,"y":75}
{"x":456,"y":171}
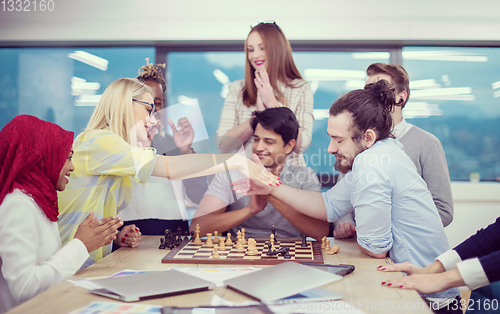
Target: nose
{"x":152,"y":120}
{"x":332,"y":148}
{"x":261,"y":146}
{"x":72,"y":167}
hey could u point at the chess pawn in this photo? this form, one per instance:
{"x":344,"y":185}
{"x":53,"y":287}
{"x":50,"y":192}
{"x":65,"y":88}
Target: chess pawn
{"x":229,"y":242}
{"x":197,"y":240}
{"x":239,"y":246}
{"x":216,"y":238}
{"x":323,"y":242}
{"x":222,"y":244}
{"x":209,"y":242}
{"x":273,"y":248}
{"x":252,"y":247}
{"x":238,"y":236}
{"x":243,"y":240}
{"x":335,"y":249}
{"x":215,"y":255}
{"x":327,"y":245}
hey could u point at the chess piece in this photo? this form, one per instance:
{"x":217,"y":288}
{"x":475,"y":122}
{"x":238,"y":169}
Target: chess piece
{"x":215,"y":255}
{"x":216,"y":237}
{"x":252,"y":247}
{"x":327,"y":245}
{"x":335,"y":249}
{"x":273,"y":248}
{"x":304,"y":241}
{"x":323,"y":240}
{"x":209,"y":242}
{"x":186,"y":235}
{"x":229,"y":242}
{"x":273,"y":231}
{"x":238,"y":236}
{"x":287,"y":253}
{"x":197,"y":240}
{"x":222,"y":244}
{"x":269,"y":251}
{"x":162,"y":243}
{"x":243,"y":240}
{"x":239,"y":245}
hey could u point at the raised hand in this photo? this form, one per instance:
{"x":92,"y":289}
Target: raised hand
{"x":344,"y":230}
{"x":95,"y":234}
{"x":130,"y":236}
{"x":259,"y":105}
{"x":183,"y":137}
{"x":264,"y":88}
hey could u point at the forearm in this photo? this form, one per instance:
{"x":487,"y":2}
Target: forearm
{"x":306,"y":202}
{"x":311,"y":227}
{"x":196,"y":165}
{"x":434,"y":268}
{"x":220,"y":222}
{"x":234,"y":138}
{"x":375,"y":255}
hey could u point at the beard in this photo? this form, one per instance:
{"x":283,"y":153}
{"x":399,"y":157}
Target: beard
{"x":344,"y":162}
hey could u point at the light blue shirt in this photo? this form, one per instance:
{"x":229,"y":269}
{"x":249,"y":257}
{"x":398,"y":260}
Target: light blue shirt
{"x":393,"y":208}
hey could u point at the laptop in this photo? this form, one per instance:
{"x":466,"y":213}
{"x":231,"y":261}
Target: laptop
{"x":151,"y":284}
{"x":281,"y":281}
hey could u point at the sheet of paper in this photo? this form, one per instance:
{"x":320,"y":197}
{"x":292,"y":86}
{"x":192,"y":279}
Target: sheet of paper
{"x":117,"y":308}
{"x":217,"y":275}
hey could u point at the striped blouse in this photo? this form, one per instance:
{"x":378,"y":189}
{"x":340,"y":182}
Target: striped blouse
{"x":298,"y":99}
{"x":106,"y":168}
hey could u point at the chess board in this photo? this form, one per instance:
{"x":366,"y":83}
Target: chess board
{"x":189,"y":253}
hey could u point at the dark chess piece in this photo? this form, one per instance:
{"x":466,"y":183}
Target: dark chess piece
{"x":162,"y":243}
{"x":186,"y":235}
{"x":304,"y":241}
{"x":192,"y":235}
{"x":273,"y":231}
{"x":178,"y":237}
{"x":269,"y":252}
{"x":287,"y":253}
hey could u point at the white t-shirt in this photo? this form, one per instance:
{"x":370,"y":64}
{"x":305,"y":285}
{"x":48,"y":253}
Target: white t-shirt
{"x":32,"y":258}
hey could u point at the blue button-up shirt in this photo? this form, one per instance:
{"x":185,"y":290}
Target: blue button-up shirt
{"x":393,"y":208}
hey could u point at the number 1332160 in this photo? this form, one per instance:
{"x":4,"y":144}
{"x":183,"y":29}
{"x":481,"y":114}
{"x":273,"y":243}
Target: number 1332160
{"x":27,"y":5}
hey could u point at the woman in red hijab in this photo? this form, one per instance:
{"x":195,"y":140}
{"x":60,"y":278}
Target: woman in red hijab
{"x":35,"y":163}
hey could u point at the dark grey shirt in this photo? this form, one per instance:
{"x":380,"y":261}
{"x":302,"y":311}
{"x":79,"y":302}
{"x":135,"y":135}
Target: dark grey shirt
{"x":260,"y":224}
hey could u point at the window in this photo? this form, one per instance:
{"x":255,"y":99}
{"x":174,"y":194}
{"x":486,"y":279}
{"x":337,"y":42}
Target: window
{"x":455,"y":95}
{"x":62,"y":85}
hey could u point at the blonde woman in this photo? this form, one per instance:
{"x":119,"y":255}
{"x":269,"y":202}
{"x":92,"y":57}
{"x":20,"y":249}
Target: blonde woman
{"x":271,"y":80}
{"x":109,"y":159}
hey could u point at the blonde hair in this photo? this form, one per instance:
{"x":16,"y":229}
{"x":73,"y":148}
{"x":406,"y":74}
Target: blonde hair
{"x":115,"y":109}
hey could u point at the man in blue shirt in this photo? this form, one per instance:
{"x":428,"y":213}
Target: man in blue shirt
{"x":394,"y":210}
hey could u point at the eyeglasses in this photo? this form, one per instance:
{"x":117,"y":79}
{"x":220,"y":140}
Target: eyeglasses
{"x":151,"y":110}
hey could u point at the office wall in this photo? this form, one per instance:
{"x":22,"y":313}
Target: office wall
{"x":155,"y":20}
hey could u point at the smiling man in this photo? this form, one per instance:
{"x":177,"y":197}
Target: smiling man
{"x":275,"y":133}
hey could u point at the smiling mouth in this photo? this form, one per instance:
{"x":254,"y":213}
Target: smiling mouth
{"x":259,"y":62}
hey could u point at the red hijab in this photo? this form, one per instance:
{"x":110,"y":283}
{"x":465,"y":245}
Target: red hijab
{"x":32,"y":155}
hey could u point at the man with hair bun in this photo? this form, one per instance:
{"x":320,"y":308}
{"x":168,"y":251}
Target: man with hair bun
{"x":423,"y":148}
{"x":395,"y":213}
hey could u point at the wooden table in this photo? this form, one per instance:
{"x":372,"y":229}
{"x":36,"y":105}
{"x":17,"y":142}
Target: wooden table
{"x":362,"y":288}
